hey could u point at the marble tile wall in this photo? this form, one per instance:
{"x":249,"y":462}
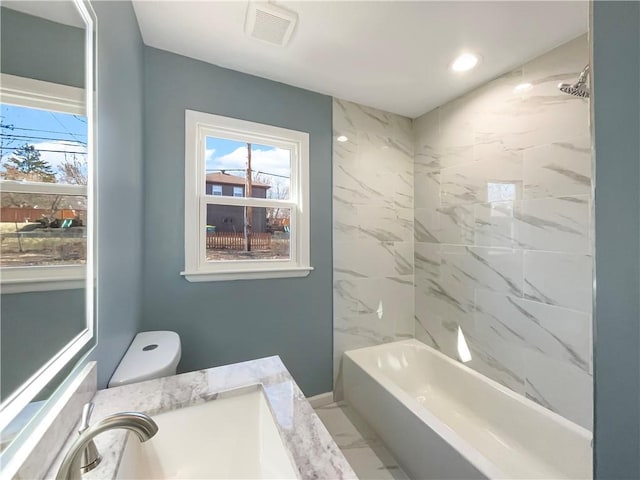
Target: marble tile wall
{"x":372,"y":229}
{"x":503,"y":231}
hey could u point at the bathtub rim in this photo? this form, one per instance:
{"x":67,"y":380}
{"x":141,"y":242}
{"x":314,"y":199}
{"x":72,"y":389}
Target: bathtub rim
{"x":440,"y":428}
{"x":465,"y":448}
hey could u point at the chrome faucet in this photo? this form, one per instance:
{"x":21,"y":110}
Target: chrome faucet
{"x":83,"y":455}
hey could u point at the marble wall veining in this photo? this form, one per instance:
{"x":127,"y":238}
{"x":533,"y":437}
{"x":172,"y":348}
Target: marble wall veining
{"x":503,"y":231}
{"x":372,"y":228}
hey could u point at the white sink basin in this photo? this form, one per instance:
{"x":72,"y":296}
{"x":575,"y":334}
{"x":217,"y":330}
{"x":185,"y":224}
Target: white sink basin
{"x":231,"y":437}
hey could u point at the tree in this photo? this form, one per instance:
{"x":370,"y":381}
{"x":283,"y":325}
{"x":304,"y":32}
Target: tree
{"x":279,"y":191}
{"x":73,"y":170}
{"x":25,"y":164}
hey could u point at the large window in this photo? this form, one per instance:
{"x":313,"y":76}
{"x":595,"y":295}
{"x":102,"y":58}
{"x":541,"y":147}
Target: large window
{"x":246,"y":200}
{"x":43,"y":185}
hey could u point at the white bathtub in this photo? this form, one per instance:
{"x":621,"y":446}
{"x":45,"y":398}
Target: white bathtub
{"x":442,"y":420}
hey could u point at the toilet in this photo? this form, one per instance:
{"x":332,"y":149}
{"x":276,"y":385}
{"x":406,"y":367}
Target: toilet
{"x":150,"y":355}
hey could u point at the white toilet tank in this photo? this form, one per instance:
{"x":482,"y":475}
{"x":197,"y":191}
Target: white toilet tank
{"x":150,"y":355}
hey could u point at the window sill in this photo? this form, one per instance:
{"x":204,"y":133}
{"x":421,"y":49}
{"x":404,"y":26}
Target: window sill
{"x":42,"y":279}
{"x":42,"y":285}
{"x":227,"y":275}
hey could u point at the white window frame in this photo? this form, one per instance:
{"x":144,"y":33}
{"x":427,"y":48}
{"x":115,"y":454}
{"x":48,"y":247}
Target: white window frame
{"x":238,"y":190}
{"x":27,"y":92}
{"x":199,"y":126}
{"x":216,"y":190}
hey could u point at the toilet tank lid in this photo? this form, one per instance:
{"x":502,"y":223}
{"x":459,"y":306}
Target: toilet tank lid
{"x":150,"y":352}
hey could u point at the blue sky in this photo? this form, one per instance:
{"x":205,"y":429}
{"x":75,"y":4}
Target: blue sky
{"x":54,"y":134}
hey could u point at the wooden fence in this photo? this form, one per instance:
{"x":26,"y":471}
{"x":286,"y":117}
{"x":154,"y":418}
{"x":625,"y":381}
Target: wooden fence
{"x":236,"y":240}
{"x":28,"y":214}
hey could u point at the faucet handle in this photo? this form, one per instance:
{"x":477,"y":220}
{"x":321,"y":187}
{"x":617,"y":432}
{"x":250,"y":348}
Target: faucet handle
{"x":87,"y":410}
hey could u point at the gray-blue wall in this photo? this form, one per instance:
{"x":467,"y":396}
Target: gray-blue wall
{"x":616,"y":101}
{"x":35,"y":326}
{"x":119,"y":184}
{"x":37,"y":48}
{"x":225,"y":322}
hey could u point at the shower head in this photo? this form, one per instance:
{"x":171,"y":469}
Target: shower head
{"x":575,"y":90}
{"x":578,"y":89}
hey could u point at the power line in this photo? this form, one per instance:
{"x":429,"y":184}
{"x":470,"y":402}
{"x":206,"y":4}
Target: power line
{"x":60,"y":123}
{"x":222,"y":170}
{"x":62,"y":141}
{"x":11,"y":127}
{"x":50,"y":151}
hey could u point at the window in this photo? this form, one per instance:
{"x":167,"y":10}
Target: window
{"x":257,"y":224}
{"x":43,"y":185}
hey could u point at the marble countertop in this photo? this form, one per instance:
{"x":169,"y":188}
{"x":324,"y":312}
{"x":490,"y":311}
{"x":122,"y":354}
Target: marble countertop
{"x":311,"y":448}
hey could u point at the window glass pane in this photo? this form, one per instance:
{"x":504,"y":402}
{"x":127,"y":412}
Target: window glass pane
{"x":216,"y":190}
{"x":42,"y":146}
{"x":228,"y":162}
{"x":42,"y":229}
{"x":229,"y":227}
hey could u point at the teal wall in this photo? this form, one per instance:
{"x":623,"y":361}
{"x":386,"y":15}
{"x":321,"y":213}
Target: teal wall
{"x":225,"y":322}
{"x":119,"y":185}
{"x":35,"y":326}
{"x":616,"y":101}
{"x":37,"y":48}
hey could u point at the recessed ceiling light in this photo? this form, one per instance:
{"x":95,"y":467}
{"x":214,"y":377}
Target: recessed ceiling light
{"x":342,"y":138}
{"x":523,"y":87}
{"x":464,"y":62}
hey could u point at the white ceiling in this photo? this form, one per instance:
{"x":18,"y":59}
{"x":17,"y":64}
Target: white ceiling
{"x":390,"y":55}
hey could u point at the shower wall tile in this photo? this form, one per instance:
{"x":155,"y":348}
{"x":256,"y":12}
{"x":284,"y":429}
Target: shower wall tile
{"x":556,"y":332}
{"x":437,"y":321}
{"x":373,"y":229}
{"x":492,"y":179}
{"x":495,"y":223}
{"x":455,"y":224}
{"x":384,"y":223}
{"x":473,"y":268}
{"x":427,"y":259}
{"x":560,"y":387}
{"x":558,"y":169}
{"x":559,"y":224}
{"x":560,"y":279}
{"x":503,"y":232}
{"x":500,"y":361}
{"x":345,"y":296}
{"x":426,"y":182}
{"x":440,"y":309}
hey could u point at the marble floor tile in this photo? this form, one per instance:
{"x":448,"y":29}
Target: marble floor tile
{"x":364,"y":451}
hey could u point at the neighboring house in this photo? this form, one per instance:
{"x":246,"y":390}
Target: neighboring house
{"x":231,"y":219}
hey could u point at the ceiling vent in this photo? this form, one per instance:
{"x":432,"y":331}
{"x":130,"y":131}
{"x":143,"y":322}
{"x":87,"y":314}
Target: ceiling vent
{"x":270,"y":23}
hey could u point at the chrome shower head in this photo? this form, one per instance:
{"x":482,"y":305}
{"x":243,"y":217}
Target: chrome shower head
{"x":578,"y":89}
{"x":575,"y":90}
